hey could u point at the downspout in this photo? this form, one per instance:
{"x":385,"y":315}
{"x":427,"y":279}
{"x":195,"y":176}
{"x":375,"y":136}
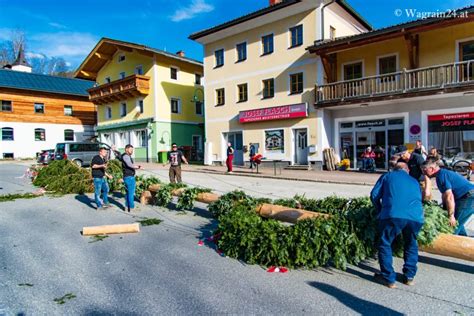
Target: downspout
{"x":322,"y":18}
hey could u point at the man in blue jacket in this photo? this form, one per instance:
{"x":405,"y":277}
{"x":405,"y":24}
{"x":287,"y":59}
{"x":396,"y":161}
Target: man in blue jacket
{"x":397,"y":198}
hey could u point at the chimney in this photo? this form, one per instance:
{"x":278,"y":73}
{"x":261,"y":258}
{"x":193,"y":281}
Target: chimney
{"x":273,"y":2}
{"x":180,"y":53}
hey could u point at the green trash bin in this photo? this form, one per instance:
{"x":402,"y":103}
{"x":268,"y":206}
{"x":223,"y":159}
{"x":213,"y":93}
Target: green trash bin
{"x":162,"y":156}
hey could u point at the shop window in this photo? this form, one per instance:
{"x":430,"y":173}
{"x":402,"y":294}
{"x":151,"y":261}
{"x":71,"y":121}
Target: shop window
{"x":241,"y":51}
{"x":7,"y":134}
{"x":68,"y":135}
{"x":451,"y":133}
{"x":40,"y":134}
{"x":220,"y":97}
{"x":296,"y":36}
{"x":274,"y":141}
{"x":296,"y":83}
{"x":141,"y":139}
{"x":267,"y":44}
{"x":268,"y":88}
{"x":68,"y":110}
{"x":219,"y":58}
{"x":6,"y":106}
{"x":39,"y":108}
{"x":243,"y":92}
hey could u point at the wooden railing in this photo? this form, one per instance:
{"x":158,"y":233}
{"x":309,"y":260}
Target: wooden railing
{"x":119,"y":90}
{"x":420,"y":79}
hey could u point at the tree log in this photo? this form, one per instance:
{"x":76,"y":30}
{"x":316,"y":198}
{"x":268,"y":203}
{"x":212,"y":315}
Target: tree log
{"x":207,"y":198}
{"x":146,"y":198}
{"x":455,"y":246}
{"x":286,"y":214}
{"x":111,"y":229}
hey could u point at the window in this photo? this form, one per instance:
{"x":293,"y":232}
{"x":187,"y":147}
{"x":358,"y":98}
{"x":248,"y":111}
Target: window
{"x":243,"y":92}
{"x":267,"y":44}
{"x":140,"y":106}
{"x":175,"y":106}
{"x":296,"y":36}
{"x":219,"y":56}
{"x":6,"y":106}
{"x":220,"y":97}
{"x":353,"y":71}
{"x":141,"y":139}
{"x":68,"y":135}
{"x":387,"y":65}
{"x":123,"y":109}
{"x":139,"y":70}
{"x":199,"y":108}
{"x":268,"y":88}
{"x":174,"y":73}
{"x":197,"y":79}
{"x":39,"y":108}
{"x":7,"y":133}
{"x":296,"y":83}
{"x":466,"y":51}
{"x":241,"y":51}
{"x":108,"y":113}
{"x":40,"y":134}
{"x":122,"y":75}
{"x":197,"y":142}
{"x":107,"y":80}
{"x":121,"y":58}
{"x":332,"y":32}
{"x":68,"y":110}
{"x":274,"y":141}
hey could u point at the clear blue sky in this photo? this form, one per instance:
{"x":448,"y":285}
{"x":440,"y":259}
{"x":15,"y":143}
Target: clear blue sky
{"x":70,"y":28}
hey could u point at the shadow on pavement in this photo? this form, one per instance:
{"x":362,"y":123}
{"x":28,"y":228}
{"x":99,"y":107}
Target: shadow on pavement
{"x":358,"y":305}
{"x":90,"y":202}
{"x":447,"y":264}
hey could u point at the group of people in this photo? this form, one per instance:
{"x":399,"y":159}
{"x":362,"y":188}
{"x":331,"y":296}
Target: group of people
{"x":100,"y":175}
{"x":398,"y":197}
{"x":230,"y":157}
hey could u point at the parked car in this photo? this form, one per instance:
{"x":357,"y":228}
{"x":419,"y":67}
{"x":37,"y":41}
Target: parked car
{"x":81,"y":153}
{"x":45,"y":156}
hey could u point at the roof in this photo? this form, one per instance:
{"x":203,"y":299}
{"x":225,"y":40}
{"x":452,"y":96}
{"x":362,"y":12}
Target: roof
{"x":21,"y":60}
{"x":44,"y":83}
{"x":269,"y":9}
{"x":392,"y":29}
{"x":108,"y":47}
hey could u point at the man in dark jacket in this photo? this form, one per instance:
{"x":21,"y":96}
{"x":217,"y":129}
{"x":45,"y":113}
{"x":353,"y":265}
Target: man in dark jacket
{"x":252,"y":154}
{"x":175,"y":158}
{"x":128,"y":168}
{"x":397,"y":198}
{"x":98,"y":166}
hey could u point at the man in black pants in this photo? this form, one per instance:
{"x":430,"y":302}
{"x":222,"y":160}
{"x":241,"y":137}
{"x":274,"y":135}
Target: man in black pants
{"x":175,"y":157}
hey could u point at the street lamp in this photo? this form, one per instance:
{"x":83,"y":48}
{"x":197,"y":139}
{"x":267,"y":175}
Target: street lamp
{"x":149,"y":126}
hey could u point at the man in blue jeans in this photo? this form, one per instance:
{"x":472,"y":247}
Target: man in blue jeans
{"x":458,"y":193}
{"x":128,"y":168}
{"x":397,"y":198}
{"x":98,"y":166}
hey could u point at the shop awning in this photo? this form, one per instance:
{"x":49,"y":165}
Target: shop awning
{"x":125,"y":125}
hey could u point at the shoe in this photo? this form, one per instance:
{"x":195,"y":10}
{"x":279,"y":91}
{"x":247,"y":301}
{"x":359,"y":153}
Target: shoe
{"x":106,"y":206}
{"x":381,"y":280}
{"x":100,"y":208}
{"x":408,"y":281}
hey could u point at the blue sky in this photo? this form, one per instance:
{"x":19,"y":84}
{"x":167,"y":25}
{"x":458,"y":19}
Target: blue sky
{"x":71,"y":28}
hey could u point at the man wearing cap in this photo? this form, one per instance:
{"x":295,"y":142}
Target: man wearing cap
{"x":458,"y":194}
{"x":175,"y":158}
{"x":98,"y":166}
{"x":414,"y":162}
{"x":397,"y":198}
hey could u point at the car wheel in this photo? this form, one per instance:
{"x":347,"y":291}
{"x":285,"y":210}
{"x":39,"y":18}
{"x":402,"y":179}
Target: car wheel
{"x":78,"y":163}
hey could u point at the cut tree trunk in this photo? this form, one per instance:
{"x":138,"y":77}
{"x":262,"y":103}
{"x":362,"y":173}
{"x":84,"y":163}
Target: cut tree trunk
{"x":452,"y":246}
{"x":111,"y":229}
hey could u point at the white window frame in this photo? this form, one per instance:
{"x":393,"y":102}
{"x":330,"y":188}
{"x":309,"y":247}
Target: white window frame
{"x":73,"y":135}
{"x":459,"y":42}
{"x":72,"y":110}
{"x":39,"y":129}
{"x":137,"y":140}
{"x":350,"y":63}
{"x":216,"y":99}
{"x":223,"y":58}
{"x":237,"y":52}
{"x":289,"y":36}
{"x":289,"y":81}
{"x":377,"y":60}
{"x":179,"y":105}
{"x":13,"y":134}
{"x":11,"y":106}
{"x":263,"y":87}
{"x":122,"y":112}
{"x":262,"y":53}
{"x":237,"y":98}
{"x":264,"y":144}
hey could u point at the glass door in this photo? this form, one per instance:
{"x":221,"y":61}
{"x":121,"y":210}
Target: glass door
{"x":347,"y":147}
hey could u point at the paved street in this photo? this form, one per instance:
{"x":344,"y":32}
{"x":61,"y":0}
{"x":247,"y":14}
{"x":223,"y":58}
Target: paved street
{"x":162,"y":270}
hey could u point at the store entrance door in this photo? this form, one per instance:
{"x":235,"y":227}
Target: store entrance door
{"x":301,"y":146}
{"x":376,"y":141}
{"x":235,"y":139}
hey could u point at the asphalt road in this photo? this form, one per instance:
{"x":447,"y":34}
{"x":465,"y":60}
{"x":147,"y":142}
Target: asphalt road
{"x":162,"y":270}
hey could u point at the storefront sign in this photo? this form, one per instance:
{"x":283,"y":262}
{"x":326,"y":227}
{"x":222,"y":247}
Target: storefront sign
{"x":451,"y":122}
{"x":274,"y":113}
{"x":370,"y":123}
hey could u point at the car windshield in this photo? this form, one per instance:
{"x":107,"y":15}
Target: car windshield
{"x":60,"y":148}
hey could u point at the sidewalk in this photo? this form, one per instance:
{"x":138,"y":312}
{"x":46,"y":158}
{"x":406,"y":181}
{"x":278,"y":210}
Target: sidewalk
{"x":338,"y":177}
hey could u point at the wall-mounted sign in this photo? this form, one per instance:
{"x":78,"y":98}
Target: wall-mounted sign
{"x":451,"y":122}
{"x":370,"y":123}
{"x":415,"y":129}
{"x":274,"y":113}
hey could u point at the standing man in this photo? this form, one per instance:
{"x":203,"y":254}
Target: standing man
{"x":420,"y":149}
{"x":458,"y":194}
{"x":252,"y":154}
{"x":128,"y":168}
{"x":230,"y":157}
{"x":414,"y":162}
{"x":98,"y":166}
{"x":397,"y":199}
{"x":175,"y":157}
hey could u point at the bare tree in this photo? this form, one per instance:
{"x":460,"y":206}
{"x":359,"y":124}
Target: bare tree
{"x":9,"y":49}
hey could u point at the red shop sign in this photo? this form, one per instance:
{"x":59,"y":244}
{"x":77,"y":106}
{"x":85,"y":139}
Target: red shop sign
{"x":451,"y":122}
{"x":455,"y":116}
{"x":274,"y":113}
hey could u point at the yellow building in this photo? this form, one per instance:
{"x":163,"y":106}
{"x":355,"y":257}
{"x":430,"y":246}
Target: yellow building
{"x":260,"y":80}
{"x":146,"y":97}
{"x":399,"y":84}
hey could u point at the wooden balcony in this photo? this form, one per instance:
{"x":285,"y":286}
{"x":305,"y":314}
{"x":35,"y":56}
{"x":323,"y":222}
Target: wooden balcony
{"x":119,"y":90}
{"x":407,"y":83}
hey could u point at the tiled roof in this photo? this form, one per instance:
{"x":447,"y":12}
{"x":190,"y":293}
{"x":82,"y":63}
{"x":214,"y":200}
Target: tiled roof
{"x":385,"y":30}
{"x":44,"y":83}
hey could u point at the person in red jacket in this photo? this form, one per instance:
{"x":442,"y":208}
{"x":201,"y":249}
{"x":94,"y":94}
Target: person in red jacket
{"x":368,"y":161}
